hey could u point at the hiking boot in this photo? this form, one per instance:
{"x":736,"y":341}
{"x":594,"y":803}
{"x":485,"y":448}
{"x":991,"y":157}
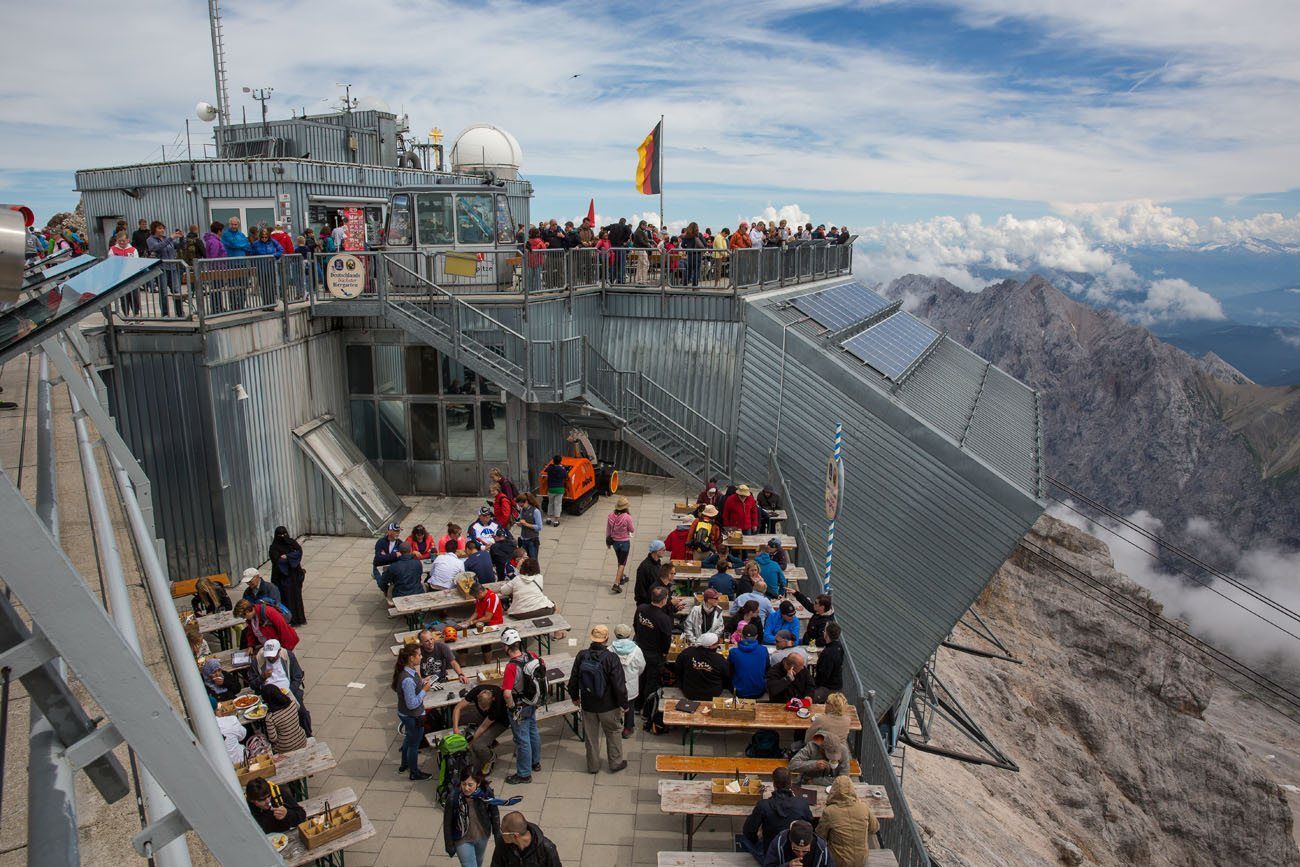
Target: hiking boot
{"x":537,"y":767}
{"x":516,"y":780}
{"x":627,"y":733}
{"x":420,"y":775}
{"x":614,"y":769}
{"x":617,"y":588}
{"x":402,"y":769}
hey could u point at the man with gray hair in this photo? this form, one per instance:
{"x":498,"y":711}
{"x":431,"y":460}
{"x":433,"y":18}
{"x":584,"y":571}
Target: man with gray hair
{"x":402,"y":578}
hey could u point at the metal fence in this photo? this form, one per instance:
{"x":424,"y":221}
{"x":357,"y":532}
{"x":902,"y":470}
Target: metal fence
{"x":167,"y":295}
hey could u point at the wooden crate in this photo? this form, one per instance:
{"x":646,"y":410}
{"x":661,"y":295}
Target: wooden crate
{"x":735,"y":538}
{"x":734,"y":708}
{"x":341,"y":821}
{"x":748,"y":796}
{"x":683,"y":508}
{"x":258,"y":766}
{"x":226,"y":708}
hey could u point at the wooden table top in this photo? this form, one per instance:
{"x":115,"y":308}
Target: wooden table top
{"x":227,"y":659}
{"x":694,"y":797}
{"x":220,"y":620}
{"x":448,"y":693}
{"x":723,"y":766}
{"x":767,"y":716}
{"x":435,"y":600}
{"x":875,"y":858}
{"x":315,"y":758}
{"x":750,"y":543}
{"x":469,"y":641}
{"x":297,"y":855}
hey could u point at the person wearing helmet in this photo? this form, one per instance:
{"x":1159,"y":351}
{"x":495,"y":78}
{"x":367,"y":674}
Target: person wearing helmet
{"x":523,"y":715}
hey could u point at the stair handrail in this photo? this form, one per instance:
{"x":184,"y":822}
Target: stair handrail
{"x":657,"y":415}
{"x":456,"y":299}
{"x":689,"y":409}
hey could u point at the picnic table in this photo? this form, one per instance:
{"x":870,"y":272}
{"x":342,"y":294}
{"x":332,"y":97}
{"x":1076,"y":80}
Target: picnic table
{"x":538,"y":627}
{"x":228,"y":661}
{"x":555,"y":708}
{"x":411,"y":607}
{"x":693,"y":798}
{"x":754,"y":543}
{"x":447,"y":693}
{"x":296,"y":853}
{"x":875,"y":858}
{"x":767,"y":716}
{"x":221,"y":623}
{"x":292,"y":769}
{"x":725,"y":766}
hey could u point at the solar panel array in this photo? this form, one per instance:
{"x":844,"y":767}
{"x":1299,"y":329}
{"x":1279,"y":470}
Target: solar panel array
{"x":892,"y":345}
{"x":840,"y":306}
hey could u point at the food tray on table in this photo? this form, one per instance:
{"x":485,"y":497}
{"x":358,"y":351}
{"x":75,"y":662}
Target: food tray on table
{"x":262,"y":766}
{"x":746,"y":792}
{"x":734,"y":708}
{"x":328,"y":826}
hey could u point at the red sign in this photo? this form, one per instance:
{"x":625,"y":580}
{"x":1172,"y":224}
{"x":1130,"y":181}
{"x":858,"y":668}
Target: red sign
{"x":354,"y":229}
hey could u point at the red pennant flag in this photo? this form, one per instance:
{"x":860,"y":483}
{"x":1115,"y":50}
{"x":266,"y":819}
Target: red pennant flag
{"x":591,"y":213}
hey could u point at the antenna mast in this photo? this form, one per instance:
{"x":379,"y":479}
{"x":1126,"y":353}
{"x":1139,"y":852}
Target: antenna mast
{"x":219,"y":63}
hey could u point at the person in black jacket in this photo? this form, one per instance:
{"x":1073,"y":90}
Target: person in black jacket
{"x":597,"y":685}
{"x":647,"y":572}
{"x":702,"y":672}
{"x":470,"y":818}
{"x":773,"y":815}
{"x":522,"y":844}
{"x":502,"y":551}
{"x":823,"y":614}
{"x":789,"y":680}
{"x":652,"y":630}
{"x":768,"y":502}
{"x":830,"y":665}
{"x":274,"y":810}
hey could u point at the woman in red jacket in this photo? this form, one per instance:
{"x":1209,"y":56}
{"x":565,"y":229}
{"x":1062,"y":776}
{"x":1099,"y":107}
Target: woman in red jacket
{"x":503,"y":506}
{"x":263,"y":622}
{"x":741,"y":511}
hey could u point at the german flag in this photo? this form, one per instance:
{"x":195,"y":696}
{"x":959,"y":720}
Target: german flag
{"x":648,"y":157}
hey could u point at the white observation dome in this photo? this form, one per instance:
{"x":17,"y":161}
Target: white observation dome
{"x":483,"y":148}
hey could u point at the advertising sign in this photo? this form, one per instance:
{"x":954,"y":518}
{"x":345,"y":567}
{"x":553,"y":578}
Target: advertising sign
{"x":345,"y":276}
{"x":354,"y":229}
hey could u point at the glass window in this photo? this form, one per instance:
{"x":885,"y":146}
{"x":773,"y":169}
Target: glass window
{"x":424,"y":432}
{"x":363,"y":428}
{"x":456,"y":379}
{"x":460,"y":432}
{"x":505,"y":226}
{"x":390,"y":372}
{"x":361,"y":372}
{"x":433,"y":218}
{"x":392,"y":430}
{"x":421,"y":370}
{"x":399,"y":222}
{"x":475,"y":219}
{"x":259,"y":217}
{"x":492,"y":422}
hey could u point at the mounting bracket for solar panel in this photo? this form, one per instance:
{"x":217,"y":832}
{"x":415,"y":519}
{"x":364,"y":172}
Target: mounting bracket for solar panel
{"x":837,"y":337}
{"x":920,"y":359}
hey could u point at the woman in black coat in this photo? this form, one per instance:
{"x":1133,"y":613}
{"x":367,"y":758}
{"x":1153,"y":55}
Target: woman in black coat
{"x":470,"y":819}
{"x":286,"y":562}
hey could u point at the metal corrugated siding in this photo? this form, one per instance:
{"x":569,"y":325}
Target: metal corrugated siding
{"x":943,"y":389}
{"x":676,"y":306}
{"x":918,"y":540}
{"x":1004,"y":428}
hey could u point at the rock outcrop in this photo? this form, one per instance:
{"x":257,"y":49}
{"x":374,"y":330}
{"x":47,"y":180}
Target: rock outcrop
{"x":1119,"y":766}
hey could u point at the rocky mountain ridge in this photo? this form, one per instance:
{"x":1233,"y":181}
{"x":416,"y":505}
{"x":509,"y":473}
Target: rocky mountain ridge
{"x":1129,"y":420}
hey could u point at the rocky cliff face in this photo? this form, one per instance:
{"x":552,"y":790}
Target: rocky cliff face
{"x":1119,"y":764}
{"x":1129,"y":420}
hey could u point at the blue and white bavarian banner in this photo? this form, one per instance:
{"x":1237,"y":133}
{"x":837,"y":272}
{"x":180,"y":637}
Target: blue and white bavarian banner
{"x":834,"y":495}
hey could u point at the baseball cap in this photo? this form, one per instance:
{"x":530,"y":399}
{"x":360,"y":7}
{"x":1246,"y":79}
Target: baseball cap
{"x":623,"y":631}
{"x":485,"y":510}
{"x":503,"y":533}
{"x":394,"y":527}
{"x":787,"y":608}
{"x":774,"y":542}
{"x":600,"y":633}
{"x":271,"y":648}
{"x":656,"y":545}
{"x":250,"y":574}
{"x":710,"y":593}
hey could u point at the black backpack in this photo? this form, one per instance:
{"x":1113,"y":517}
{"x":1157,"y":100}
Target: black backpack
{"x":530,"y":680}
{"x":764,"y":744}
{"x":654,"y":715}
{"x":591,"y":676}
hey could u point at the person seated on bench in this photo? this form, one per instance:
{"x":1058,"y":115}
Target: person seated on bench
{"x":722,"y":580}
{"x":759,"y":595}
{"x":747,"y":663}
{"x":702,"y":672}
{"x":487,"y":608}
{"x":848,"y":825}
{"x":788,"y":680}
{"x":210,"y":598}
{"x":403,"y":577}
{"x":783,"y":647}
{"x":708,"y":616}
{"x":720,"y":556}
{"x":525,"y":592}
{"x":273,"y":809}
{"x":800,"y":846}
{"x":772,"y":815}
{"x":820,"y":760}
{"x":783,"y":618}
{"x":489,"y":700}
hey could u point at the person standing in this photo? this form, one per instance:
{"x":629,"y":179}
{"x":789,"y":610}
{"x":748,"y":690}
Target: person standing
{"x":647,"y":572}
{"x":285,"y":555}
{"x":470,"y":818}
{"x":619,"y":529}
{"x":410,"y":688}
{"x":263,"y":622}
{"x":212,"y":246}
{"x":653,"y":629}
{"x":768,"y":503}
{"x":523,"y":687}
{"x":556,"y":474}
{"x":503,"y":505}
{"x":740,"y":512}
{"x":633,"y":662}
{"x":597,"y":685}
{"x":281,"y":237}
{"x":523,"y":844}
{"x":530,"y":522}
{"x":140,"y":237}
{"x":829,"y":677}
{"x":235,"y":241}
{"x":503,"y":482}
{"x":163,"y":248}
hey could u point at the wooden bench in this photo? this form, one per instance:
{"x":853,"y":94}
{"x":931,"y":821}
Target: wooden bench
{"x":185,"y":589}
{"x":725,"y":766}
{"x":875,"y":858}
{"x":562,"y":708}
{"x":297,"y":855}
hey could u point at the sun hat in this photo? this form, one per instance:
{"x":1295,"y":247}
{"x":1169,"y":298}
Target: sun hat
{"x":743,"y":490}
{"x":710,"y":511}
{"x":600,"y":633}
{"x":622,"y":504}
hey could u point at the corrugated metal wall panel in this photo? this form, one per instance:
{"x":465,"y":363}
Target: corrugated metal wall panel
{"x":917,"y":540}
{"x":944,"y":388}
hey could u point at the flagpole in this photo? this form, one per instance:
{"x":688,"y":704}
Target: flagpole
{"x":662,"y":228}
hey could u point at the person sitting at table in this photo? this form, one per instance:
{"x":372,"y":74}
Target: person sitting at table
{"x":479,"y":561}
{"x":747,"y":578}
{"x":258,"y":589}
{"x":702,"y":672}
{"x":778,"y":553}
{"x":823,"y":613}
{"x":198,"y":644}
{"x":421,"y":542}
{"x":438,"y":661}
{"x":487,"y":608}
{"x":773,"y":574}
{"x":262,"y":622}
{"x":404,"y":576}
{"x":233,"y":734}
{"x":678,"y":542}
{"x":848,"y":824}
{"x":772,"y":815}
{"x":736,"y":623}
{"x":647,"y":571}
{"x":282,"y":727}
{"x":274,"y":809}
{"x":722,"y":555}
{"x":272,"y":665}
{"x":783,"y":646}
{"x":483,"y":528}
{"x":452,"y":540}
{"x":747,"y":664}
{"x":741,"y":511}
{"x":209,"y":598}
{"x":525,"y":592}
{"x":788,"y":680}
{"x":834,"y":718}
{"x":768,"y":502}
{"x":830,"y":664}
{"x":782,"y":618}
{"x":287,"y":574}
{"x":705,"y":532}
{"x":759,"y":595}
{"x":444,"y":570}
{"x":668,"y":581}
{"x":800,"y":846}
{"x":708,"y":616}
{"x":823,"y":758}
{"x":489,"y":701}
{"x":386,"y":551}
{"x":219,"y":684}
{"x":516,"y":560}
{"x":710,"y":494}
{"x":502,"y":552}
{"x":722,"y":582}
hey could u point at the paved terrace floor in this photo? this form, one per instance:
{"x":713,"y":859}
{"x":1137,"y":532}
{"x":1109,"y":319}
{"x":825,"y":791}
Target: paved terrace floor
{"x":602,"y":820}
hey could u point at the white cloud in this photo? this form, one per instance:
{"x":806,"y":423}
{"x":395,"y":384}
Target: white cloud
{"x":1171,"y":299}
{"x":792,"y":214}
{"x":1139,"y":222}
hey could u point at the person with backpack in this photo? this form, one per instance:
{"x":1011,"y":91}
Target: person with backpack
{"x":470,"y":818}
{"x":258,"y":589}
{"x":262,"y":623}
{"x":524,"y":688}
{"x":530,"y":522}
{"x":772,"y":815}
{"x":556,"y":474}
{"x":503,"y":506}
{"x":410,"y":688}
{"x":597,"y":685}
{"x":705,"y":532}
{"x":652,"y":626}
{"x":633,"y":662}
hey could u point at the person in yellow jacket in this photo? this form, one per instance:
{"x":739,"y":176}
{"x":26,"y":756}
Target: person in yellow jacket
{"x":848,"y":825}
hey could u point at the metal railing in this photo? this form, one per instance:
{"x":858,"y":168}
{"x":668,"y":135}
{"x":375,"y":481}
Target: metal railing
{"x":237,"y":284}
{"x":166,"y":295}
{"x":899,"y":835}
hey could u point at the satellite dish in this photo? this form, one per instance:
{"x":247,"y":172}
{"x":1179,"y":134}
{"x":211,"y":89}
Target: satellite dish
{"x":206,"y":111}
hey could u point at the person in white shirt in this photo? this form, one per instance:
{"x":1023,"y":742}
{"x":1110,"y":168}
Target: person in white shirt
{"x":484,"y":529}
{"x":443,"y":571}
{"x":757,"y":235}
{"x":705,"y":617}
{"x":784,"y":647}
{"x":337,"y":234}
{"x":525,"y":593}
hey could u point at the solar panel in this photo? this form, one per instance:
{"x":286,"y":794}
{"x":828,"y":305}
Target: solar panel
{"x":893,"y":345}
{"x":840,"y":306}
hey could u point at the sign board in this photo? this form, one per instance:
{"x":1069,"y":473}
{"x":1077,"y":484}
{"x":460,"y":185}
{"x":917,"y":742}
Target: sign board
{"x":354,"y":229}
{"x":345,"y":276}
{"x":834,"y":487}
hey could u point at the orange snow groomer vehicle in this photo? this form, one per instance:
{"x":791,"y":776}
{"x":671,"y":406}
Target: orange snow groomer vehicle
{"x":588,"y":478}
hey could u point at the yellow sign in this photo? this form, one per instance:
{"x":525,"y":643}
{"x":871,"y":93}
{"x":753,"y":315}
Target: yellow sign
{"x":460,"y":264}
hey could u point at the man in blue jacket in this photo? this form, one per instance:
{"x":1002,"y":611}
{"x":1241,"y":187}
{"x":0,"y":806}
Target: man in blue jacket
{"x":773,"y":577}
{"x":403,"y":577}
{"x":235,"y":241}
{"x":479,"y":562}
{"x":386,"y":552}
{"x":748,"y":664}
{"x":782,"y":618}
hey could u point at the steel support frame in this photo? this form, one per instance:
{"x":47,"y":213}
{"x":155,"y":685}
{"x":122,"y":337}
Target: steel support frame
{"x":60,"y":603}
{"x":985,"y":633}
{"x":931,"y":698}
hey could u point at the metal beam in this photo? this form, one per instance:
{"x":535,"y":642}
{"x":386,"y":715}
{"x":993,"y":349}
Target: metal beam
{"x":57,"y":598}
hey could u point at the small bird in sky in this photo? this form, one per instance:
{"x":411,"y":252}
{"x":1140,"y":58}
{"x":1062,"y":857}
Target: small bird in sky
{"x":576,"y":75}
